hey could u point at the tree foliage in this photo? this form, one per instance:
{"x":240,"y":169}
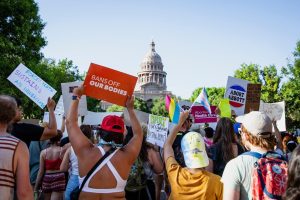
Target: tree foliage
{"x":268,"y":77}
{"x":159,"y":107}
{"x":115,"y":108}
{"x":290,"y":89}
{"x":249,"y":72}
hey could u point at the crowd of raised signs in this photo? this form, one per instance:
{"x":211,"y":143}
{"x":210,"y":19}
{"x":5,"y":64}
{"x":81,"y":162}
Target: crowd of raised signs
{"x":244,"y":157}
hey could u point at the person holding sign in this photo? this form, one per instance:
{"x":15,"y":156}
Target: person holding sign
{"x":108,"y":179}
{"x":30,"y":132}
{"x":192,"y":181}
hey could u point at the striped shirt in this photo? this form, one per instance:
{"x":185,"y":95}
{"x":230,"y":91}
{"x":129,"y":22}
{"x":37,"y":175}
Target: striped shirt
{"x":8,"y":146}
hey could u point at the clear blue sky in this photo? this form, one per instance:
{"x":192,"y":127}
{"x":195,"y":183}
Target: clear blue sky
{"x":200,"y":42}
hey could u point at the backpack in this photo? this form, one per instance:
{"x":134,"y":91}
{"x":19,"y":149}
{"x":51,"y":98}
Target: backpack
{"x":269,"y":177}
{"x":137,"y":179}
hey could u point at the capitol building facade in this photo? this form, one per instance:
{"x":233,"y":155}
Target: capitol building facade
{"x":152,"y":79}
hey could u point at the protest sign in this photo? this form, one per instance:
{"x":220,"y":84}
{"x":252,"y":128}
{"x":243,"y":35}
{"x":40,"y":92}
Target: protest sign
{"x":157,"y":130}
{"x":225,"y":108}
{"x":201,"y":115}
{"x":31,"y":85}
{"x":95,"y":118}
{"x":58,"y":118}
{"x":67,"y":93}
{"x":236,"y":92}
{"x":108,"y":84}
{"x":59,"y":109}
{"x":276,"y":112}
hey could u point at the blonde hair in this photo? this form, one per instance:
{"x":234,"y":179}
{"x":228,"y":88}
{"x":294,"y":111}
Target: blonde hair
{"x":266,"y":143}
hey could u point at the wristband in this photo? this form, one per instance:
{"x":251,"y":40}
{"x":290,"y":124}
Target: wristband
{"x":74,"y":97}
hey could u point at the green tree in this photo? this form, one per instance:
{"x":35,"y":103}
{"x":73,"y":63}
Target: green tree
{"x":268,"y":77}
{"x":290,"y":89}
{"x":115,"y":108}
{"x":159,"y":107}
{"x":271,"y":84}
{"x":141,"y":105}
{"x":249,"y":72}
{"x":20,"y":41}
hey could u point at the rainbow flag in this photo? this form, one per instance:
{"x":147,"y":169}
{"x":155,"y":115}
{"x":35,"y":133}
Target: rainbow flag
{"x":173,"y":109}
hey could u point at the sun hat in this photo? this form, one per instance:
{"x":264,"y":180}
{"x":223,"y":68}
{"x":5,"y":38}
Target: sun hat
{"x":193,"y":149}
{"x":257,"y":123}
{"x":113,"y":123}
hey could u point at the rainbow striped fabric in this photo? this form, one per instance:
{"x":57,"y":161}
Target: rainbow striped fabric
{"x":173,"y":109}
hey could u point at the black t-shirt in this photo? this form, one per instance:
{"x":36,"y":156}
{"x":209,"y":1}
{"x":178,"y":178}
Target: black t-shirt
{"x":27,"y":132}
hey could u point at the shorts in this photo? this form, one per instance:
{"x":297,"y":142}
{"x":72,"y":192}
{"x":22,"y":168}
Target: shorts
{"x":54,"y":182}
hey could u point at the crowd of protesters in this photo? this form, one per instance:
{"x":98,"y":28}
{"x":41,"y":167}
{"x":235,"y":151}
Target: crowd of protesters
{"x":114,"y":161}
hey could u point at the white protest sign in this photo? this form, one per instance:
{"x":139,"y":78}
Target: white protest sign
{"x":95,"y":118}
{"x":236,"y":92}
{"x":157,"y":130}
{"x":31,"y":85}
{"x":276,"y":112}
{"x":57,"y":117}
{"x":67,"y":92}
{"x":59,"y":109}
{"x":59,"y":120}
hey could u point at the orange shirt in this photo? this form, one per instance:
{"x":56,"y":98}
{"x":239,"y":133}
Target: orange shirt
{"x":184,"y":185}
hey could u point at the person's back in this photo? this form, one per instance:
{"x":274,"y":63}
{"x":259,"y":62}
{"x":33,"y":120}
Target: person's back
{"x":109,"y":179}
{"x":35,"y":149}
{"x":187,"y":185}
{"x":8,"y":146}
{"x":14,"y":156}
{"x":192,"y":182}
{"x":257,"y":136}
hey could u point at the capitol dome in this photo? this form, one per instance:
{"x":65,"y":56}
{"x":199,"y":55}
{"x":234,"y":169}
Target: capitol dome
{"x":152,"y":81}
{"x":151,"y":56}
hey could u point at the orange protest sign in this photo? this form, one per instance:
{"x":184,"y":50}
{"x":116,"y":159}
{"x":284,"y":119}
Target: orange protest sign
{"x":108,"y":84}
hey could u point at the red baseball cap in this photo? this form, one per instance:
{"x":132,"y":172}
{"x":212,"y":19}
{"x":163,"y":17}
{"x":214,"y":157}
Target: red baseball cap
{"x":113,"y":123}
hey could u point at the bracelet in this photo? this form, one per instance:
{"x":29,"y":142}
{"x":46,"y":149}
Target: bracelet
{"x":74,"y":97}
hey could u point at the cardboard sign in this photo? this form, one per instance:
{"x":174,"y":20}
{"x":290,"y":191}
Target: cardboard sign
{"x":157,"y":130}
{"x":236,"y":92}
{"x":201,"y":115}
{"x":31,"y":85}
{"x":108,"y":84}
{"x":59,"y":109}
{"x":95,"y":118}
{"x":276,"y":112}
{"x":225,"y":109}
{"x":67,"y":92}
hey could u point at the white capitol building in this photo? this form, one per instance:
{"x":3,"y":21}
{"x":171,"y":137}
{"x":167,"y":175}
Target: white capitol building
{"x":152,"y":82}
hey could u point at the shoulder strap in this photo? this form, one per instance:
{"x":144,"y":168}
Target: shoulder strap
{"x":95,"y":166}
{"x":254,"y":154}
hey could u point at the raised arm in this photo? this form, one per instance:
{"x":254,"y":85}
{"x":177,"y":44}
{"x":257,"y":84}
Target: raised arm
{"x":51,"y":129}
{"x":277,"y":135}
{"x":168,"y":150}
{"x":79,"y":142}
{"x":134,"y":146}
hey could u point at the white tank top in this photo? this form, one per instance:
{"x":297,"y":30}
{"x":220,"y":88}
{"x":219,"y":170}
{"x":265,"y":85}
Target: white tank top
{"x":74,"y":163}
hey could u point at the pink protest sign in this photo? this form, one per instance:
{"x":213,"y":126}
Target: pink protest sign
{"x":201,"y":115}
